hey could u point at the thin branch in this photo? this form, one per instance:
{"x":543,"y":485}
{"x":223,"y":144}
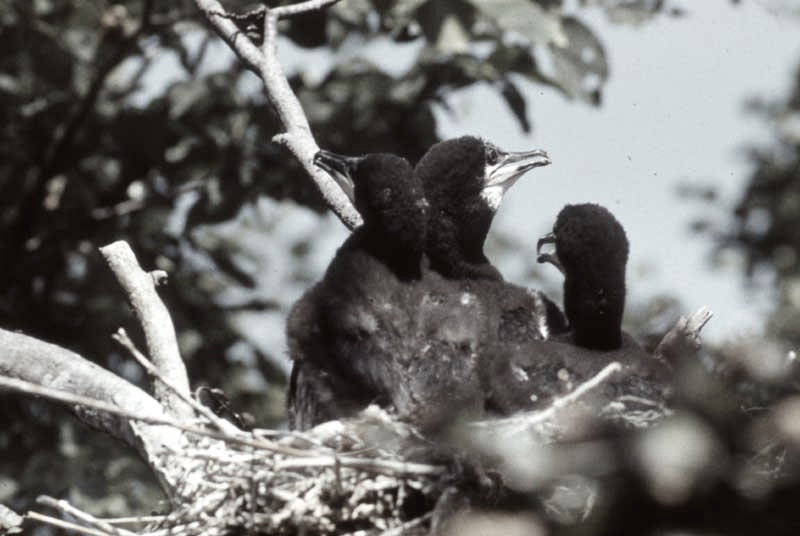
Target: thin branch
{"x":528,"y":419}
{"x":35,"y":516}
{"x":301,"y":7}
{"x":162,"y":343}
{"x":393,"y":467}
{"x":297,"y":136}
{"x":121,"y":336}
{"x":67,"y":397}
{"x":133,"y":520}
{"x":66,"y":508}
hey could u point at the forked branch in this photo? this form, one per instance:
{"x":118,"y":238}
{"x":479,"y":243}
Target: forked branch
{"x":264,"y":62}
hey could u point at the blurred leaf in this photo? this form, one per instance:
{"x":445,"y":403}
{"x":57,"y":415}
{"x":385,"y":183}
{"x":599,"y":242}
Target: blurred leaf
{"x":453,"y":37}
{"x":433,"y":14}
{"x":580,"y":66}
{"x":533,"y":22}
{"x":631,"y":12}
{"x":516,"y":102}
{"x":308,"y":29}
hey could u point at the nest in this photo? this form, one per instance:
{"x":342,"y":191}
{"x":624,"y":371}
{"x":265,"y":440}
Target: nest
{"x":328,"y":481}
{"x":373,"y":474}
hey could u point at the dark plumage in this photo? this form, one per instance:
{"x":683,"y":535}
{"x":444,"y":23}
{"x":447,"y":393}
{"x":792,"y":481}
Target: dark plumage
{"x":331,"y":330}
{"x":464,"y":181}
{"x":591,"y":249}
{"x":377,"y":329}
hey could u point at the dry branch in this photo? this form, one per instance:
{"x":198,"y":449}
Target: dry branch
{"x":297,"y":136}
{"x":152,"y":314}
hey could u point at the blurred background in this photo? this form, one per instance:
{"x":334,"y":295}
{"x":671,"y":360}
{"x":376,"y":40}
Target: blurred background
{"x":133,"y":121}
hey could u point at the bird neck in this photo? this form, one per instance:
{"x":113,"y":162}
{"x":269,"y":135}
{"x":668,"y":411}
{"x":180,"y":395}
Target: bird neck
{"x":595,"y":312}
{"x":455,"y":246}
{"x":402,"y":254}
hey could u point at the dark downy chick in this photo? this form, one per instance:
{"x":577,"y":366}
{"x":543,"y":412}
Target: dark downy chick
{"x":591,"y":249}
{"x":336,"y":327}
{"x":369,"y":332}
{"x":465,"y":180}
{"x":592,"y":252}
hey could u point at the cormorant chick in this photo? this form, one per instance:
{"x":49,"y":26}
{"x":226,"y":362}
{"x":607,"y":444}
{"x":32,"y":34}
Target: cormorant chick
{"x":464,"y":181}
{"x":592,"y":252}
{"x":591,"y":249}
{"x":375,"y":329}
{"x":332,"y":329}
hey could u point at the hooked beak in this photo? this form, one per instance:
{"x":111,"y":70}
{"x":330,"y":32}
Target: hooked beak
{"x":502,"y":174}
{"x":552,"y":258}
{"x":339,"y":168}
{"x":511,"y":166}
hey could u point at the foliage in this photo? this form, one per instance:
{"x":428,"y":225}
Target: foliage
{"x":768,"y":214}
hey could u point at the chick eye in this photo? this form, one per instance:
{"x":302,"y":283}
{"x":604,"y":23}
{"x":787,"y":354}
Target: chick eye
{"x":492,"y":156}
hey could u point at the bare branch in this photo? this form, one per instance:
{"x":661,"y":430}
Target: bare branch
{"x":121,"y":336}
{"x":529,"y":420}
{"x":298,"y":137}
{"x":162,"y":343}
{"x":66,"y":508}
{"x":684,"y":337}
{"x":301,"y":7}
{"x":35,"y":516}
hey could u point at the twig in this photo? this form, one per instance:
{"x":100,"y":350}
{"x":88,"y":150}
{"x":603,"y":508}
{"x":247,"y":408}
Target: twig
{"x":66,"y":525}
{"x":132,"y":520}
{"x":391,"y":467}
{"x":301,"y":7}
{"x":584,"y":388}
{"x":297,"y":137}
{"x":65,"y":507}
{"x":536,"y":417}
{"x":162,"y":343}
{"x":121,"y":336}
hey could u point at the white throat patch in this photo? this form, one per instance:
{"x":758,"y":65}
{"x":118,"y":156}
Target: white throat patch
{"x":493,"y":196}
